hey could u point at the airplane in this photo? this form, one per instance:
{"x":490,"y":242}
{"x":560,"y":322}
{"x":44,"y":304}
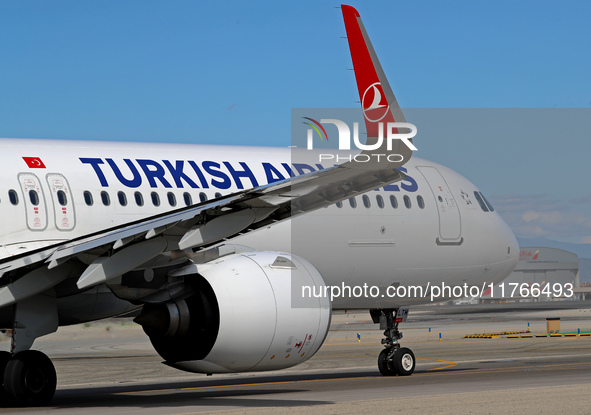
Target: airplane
{"x":210,"y":245}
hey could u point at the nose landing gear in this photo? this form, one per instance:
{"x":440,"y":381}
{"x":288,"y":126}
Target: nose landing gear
{"x":394,"y":359}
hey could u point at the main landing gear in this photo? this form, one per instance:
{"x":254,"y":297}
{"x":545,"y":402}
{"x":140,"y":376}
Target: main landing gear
{"x":393,"y":360}
{"x":28,"y":379}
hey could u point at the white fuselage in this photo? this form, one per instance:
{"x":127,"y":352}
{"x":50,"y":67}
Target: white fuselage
{"x":444,"y":236}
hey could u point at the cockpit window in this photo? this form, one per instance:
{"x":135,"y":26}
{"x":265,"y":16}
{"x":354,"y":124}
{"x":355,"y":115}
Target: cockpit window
{"x":481,"y":201}
{"x":490,"y":207}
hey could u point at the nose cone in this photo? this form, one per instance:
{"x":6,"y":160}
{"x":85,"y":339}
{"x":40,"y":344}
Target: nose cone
{"x":506,"y":248}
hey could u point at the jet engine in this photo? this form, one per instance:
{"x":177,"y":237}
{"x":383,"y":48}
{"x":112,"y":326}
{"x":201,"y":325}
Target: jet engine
{"x":245,"y":312}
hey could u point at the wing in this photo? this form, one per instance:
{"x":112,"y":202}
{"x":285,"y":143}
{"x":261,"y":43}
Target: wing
{"x":99,"y":257}
{"x":110,"y":253}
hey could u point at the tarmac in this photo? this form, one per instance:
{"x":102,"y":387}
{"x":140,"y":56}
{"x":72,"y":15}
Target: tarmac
{"x":110,"y":368}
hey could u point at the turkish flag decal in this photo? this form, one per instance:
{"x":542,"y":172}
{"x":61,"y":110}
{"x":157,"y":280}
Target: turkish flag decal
{"x":34,"y":162}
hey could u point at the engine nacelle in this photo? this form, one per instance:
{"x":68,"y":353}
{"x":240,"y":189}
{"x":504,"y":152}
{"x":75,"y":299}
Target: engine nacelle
{"x":240,"y":316}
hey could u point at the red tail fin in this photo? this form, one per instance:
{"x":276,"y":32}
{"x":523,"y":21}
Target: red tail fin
{"x":377,"y":99}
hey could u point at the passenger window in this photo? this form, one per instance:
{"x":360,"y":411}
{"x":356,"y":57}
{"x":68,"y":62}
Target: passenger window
{"x":202,"y":197}
{"x":407,"y":202}
{"x":490,"y":207}
{"x":339,"y":204}
{"x":380,"y":201}
{"x":155,"y":199}
{"x":481,"y":202}
{"x":139,"y":199}
{"x":171,"y":199}
{"x":188,"y":198}
{"x":88,"y":198}
{"x":421,"y":202}
{"x":34,"y":197}
{"x":218,"y":194}
{"x":394,"y":201}
{"x":366,"y":202}
{"x":13,"y":197}
{"x":122,"y":198}
{"x":353,"y":202}
{"x":105,"y":198}
{"x":62,"y":198}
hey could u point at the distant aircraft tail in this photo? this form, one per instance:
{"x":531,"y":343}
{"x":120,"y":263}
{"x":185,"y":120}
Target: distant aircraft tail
{"x":378,"y":102}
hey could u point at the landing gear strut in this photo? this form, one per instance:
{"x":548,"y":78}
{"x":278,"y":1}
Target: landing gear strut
{"x":393,"y":360}
{"x":27,"y":377}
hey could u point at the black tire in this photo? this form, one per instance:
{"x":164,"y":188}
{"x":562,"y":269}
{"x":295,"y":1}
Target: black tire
{"x":386,"y":367}
{"x":4,"y":358}
{"x":30,"y":379}
{"x":404,"y":361}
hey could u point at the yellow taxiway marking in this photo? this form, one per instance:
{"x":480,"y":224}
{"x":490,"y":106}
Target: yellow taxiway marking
{"x":449,"y":363}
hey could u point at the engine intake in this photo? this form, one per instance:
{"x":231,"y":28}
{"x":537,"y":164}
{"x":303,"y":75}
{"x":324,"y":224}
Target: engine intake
{"x":240,"y":316}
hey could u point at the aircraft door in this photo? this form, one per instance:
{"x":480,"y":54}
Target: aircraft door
{"x":450,"y":226}
{"x":34,"y":201}
{"x":63,"y":205}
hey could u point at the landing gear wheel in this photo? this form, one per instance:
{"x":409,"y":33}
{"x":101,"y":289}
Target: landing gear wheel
{"x":386,"y":366}
{"x":30,"y":379}
{"x":404,"y":361}
{"x":4,"y":358}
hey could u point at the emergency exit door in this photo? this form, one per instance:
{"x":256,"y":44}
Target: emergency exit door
{"x":34,"y":201}
{"x":63,"y":205}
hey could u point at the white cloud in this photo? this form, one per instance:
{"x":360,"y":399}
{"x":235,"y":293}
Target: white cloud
{"x":530,"y":215}
{"x":543,"y":215}
{"x":546,"y":218}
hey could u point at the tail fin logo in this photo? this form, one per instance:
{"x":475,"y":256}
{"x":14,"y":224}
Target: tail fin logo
{"x":375,"y":107}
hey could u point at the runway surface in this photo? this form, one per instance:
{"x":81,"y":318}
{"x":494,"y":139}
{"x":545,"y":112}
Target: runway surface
{"x":111,"y":368}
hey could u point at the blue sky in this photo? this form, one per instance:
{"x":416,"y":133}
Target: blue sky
{"x":230,"y":72}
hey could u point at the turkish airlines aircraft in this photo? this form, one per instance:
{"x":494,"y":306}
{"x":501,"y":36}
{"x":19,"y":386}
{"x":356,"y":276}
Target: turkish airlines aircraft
{"x":91,"y":230}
